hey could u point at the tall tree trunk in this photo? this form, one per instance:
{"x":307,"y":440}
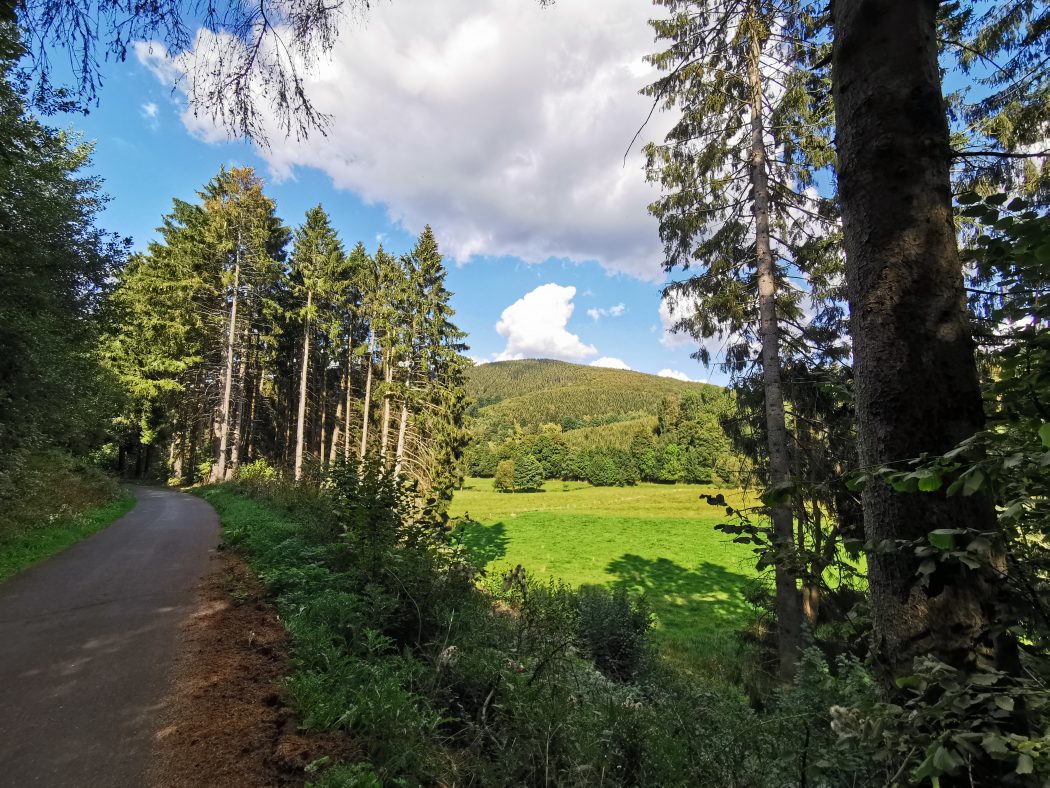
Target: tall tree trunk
{"x":256,"y":396}
{"x":916,"y":380}
{"x":788,"y":602}
{"x":242,"y":384}
{"x":366,"y":405}
{"x":402,"y":429}
{"x":337,"y":422}
{"x":388,"y":378}
{"x":346,"y":411}
{"x":218,"y":471}
{"x":300,"y":427}
{"x":324,"y":411}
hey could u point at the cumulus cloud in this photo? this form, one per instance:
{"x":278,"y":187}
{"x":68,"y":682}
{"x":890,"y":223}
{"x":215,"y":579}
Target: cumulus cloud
{"x":597,"y":313}
{"x":535,"y":326}
{"x":673,"y":373}
{"x":501,"y":123}
{"x":671,"y":311}
{"x":610,"y":363}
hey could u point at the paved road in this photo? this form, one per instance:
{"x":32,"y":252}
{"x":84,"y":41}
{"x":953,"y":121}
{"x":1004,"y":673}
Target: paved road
{"x":87,"y":640}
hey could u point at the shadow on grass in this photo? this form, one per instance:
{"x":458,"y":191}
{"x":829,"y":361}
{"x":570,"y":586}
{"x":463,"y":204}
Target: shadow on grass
{"x":485,"y":543}
{"x":707,"y":596}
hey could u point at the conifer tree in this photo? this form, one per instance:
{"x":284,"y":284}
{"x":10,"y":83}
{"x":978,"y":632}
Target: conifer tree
{"x":318,"y":273}
{"x":737,"y":171}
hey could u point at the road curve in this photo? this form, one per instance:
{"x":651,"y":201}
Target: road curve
{"x":87,"y":641}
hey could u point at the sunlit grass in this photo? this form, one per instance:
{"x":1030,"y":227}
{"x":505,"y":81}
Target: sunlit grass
{"x":658,"y":540}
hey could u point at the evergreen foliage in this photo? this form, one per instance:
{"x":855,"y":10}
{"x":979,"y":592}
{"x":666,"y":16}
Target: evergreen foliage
{"x":230,"y":354}
{"x":55,"y":270}
{"x":528,"y":473}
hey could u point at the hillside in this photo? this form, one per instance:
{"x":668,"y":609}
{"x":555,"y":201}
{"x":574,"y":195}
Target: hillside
{"x":530,"y":393}
{"x":605,"y":426}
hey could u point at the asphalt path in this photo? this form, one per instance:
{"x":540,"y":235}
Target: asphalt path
{"x":87,"y":641}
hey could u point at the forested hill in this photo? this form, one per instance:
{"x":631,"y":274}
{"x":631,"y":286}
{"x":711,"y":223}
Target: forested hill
{"x":534,"y":392}
{"x":606,"y":426}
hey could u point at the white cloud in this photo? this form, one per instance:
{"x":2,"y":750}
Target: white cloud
{"x":674,"y":309}
{"x":535,"y":326}
{"x":501,"y":123}
{"x":671,"y":311}
{"x":150,"y":110}
{"x":597,"y":313}
{"x":673,"y":373}
{"x":610,"y":363}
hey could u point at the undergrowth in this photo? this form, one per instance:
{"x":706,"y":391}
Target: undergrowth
{"x":50,"y":500}
{"x":445,"y":677}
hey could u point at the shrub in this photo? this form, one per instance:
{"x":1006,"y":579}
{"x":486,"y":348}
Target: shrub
{"x":504,"y":481}
{"x":257,"y":474}
{"x":614,"y":631}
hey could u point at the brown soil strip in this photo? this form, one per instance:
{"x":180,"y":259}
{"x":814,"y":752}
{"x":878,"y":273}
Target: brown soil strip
{"x":225,"y":721}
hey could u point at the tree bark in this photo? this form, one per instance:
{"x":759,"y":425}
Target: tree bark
{"x":242,"y":402}
{"x":300,"y":427}
{"x":788,"y":602}
{"x":324,"y":411}
{"x":388,"y":378}
{"x":402,"y":428}
{"x":218,"y":471}
{"x":346,"y":411}
{"x":916,"y":379}
{"x":337,"y":422}
{"x":366,"y":405}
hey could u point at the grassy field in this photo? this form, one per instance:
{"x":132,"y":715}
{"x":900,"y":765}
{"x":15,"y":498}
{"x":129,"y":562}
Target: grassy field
{"x":654,"y":539}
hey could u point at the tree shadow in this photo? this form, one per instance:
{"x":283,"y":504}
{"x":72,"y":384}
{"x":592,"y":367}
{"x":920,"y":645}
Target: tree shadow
{"x":706,"y":596}
{"x":485,"y":543}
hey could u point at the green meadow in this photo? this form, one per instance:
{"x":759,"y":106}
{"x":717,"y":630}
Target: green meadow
{"x":657,"y":540}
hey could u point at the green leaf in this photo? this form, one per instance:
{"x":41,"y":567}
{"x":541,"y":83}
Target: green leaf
{"x":946,"y":760}
{"x":943,"y":538}
{"x":970,"y":561}
{"x":930,"y":481}
{"x":973,"y":482}
{"x":1025,"y":764}
{"x":994,"y":744}
{"x":1017,"y":204}
{"x":1044,"y":434}
{"x":968,"y":198}
{"x":1004,"y":702}
{"x":997,"y":199}
{"x":927,"y":567}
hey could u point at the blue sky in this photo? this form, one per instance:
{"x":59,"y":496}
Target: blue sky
{"x":549,"y":248}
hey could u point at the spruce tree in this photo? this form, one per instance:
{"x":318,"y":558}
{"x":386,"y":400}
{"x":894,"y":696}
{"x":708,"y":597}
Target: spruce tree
{"x":319,"y":278}
{"x":737,"y":170}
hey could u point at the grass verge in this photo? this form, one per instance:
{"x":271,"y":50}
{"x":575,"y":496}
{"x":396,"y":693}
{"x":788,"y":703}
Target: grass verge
{"x":528,"y":682}
{"x":29,"y":545}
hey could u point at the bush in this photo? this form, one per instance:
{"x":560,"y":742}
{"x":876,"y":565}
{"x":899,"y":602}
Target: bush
{"x":614,"y":631}
{"x":504,"y":480}
{"x":256,"y":474}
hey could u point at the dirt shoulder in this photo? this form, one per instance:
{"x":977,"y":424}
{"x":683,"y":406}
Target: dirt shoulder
{"x":225,"y":720}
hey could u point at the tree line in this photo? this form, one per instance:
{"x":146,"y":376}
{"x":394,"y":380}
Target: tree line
{"x":234,"y":348}
{"x":686,"y":443}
